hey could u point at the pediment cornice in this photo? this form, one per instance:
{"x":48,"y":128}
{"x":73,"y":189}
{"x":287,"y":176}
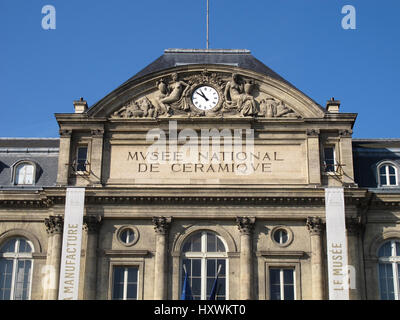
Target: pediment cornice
{"x":242,"y":94}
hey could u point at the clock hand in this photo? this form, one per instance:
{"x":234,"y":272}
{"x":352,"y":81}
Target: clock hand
{"x":204,"y":96}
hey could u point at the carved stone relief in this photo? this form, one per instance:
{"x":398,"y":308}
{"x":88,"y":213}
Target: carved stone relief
{"x":271,"y":108}
{"x":237,"y":97}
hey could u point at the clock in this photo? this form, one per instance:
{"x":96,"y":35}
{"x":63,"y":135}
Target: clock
{"x":205,"y":98}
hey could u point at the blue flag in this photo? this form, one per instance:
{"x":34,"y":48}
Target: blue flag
{"x":215,"y":284}
{"x":186,"y":291}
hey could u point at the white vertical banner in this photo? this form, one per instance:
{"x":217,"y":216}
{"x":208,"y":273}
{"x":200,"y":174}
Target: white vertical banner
{"x":72,"y":242}
{"x":336,"y":244}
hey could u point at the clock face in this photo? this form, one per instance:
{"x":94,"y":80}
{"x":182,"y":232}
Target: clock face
{"x":205,"y":98}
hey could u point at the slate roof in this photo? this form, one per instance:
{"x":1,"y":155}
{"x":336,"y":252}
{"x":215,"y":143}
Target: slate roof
{"x":241,"y":58}
{"x":42,"y":151}
{"x":233,"y":57}
{"x":367,"y":154}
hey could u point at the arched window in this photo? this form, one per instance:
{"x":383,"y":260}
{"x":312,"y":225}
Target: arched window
{"x":389,"y":270}
{"x":203,"y":255}
{"x":24,"y":174}
{"x":15,"y":269}
{"x":387,"y":173}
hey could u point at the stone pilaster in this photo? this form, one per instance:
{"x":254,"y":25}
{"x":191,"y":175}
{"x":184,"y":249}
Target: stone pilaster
{"x":161,"y":227}
{"x":96,"y":157}
{"x":47,"y":277}
{"x":316,"y":227}
{"x":246,"y":226}
{"x":354,"y":228}
{"x":54,"y":227}
{"x":64,"y":157}
{"x":346,"y":157}
{"x":91,"y":224}
{"x":314,"y":166}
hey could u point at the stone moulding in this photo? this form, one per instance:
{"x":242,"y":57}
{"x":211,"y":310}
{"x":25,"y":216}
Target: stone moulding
{"x":281,"y":253}
{"x":55,"y":196}
{"x":125,"y":253}
{"x":123,"y":200}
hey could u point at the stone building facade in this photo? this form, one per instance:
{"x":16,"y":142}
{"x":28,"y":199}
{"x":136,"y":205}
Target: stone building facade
{"x":252,"y":210}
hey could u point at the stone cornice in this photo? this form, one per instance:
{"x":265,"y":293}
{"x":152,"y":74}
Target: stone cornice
{"x":48,"y":197}
{"x":184,"y":196}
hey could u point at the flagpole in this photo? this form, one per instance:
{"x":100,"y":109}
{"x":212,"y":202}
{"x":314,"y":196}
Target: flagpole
{"x":213,"y":292}
{"x":208,"y":5}
{"x":219,"y":269}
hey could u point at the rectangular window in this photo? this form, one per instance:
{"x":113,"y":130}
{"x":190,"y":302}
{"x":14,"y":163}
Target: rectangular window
{"x":125,"y":283}
{"x":282,"y":284}
{"x":202,"y":274}
{"x":22,"y":279}
{"x":219,"y":285}
{"x":329,"y":159}
{"x":81,"y":158}
{"x":193,"y":268}
{"x":386,"y":281}
{"x":6,"y":269}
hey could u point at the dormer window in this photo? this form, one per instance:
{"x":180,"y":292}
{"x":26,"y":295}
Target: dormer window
{"x":387,"y":174}
{"x":24,"y":173}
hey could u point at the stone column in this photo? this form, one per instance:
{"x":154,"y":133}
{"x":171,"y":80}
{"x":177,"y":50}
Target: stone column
{"x":91,"y":226}
{"x":315,"y":227}
{"x":54,"y":225}
{"x":161,"y":226}
{"x":246,"y":226}
{"x":314,"y":166}
{"x":64,"y":157}
{"x":353,"y":227}
{"x":96,"y":157}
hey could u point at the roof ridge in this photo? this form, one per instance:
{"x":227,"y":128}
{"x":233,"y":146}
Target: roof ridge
{"x":230,"y":51}
{"x":19,"y":138}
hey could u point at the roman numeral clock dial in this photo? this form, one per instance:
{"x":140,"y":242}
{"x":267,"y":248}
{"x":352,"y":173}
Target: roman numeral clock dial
{"x":205,"y":98}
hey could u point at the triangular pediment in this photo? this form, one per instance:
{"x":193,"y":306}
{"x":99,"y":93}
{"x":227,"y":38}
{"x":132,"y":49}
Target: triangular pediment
{"x":234,"y":92}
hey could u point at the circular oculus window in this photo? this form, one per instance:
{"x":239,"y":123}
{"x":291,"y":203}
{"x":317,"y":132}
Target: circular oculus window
{"x":128,"y":236}
{"x":282,"y":236}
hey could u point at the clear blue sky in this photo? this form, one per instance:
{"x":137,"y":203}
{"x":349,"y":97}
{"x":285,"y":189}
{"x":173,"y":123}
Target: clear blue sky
{"x":98,"y":45}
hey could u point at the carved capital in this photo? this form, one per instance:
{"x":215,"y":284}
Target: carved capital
{"x":313,"y":132}
{"x":98,"y":133}
{"x":54,"y":224}
{"x":345,"y":133}
{"x":245,"y":224}
{"x":161,"y":224}
{"x":65,"y":133}
{"x":315,"y":225}
{"x":92,"y":223}
{"x":353,"y":226}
